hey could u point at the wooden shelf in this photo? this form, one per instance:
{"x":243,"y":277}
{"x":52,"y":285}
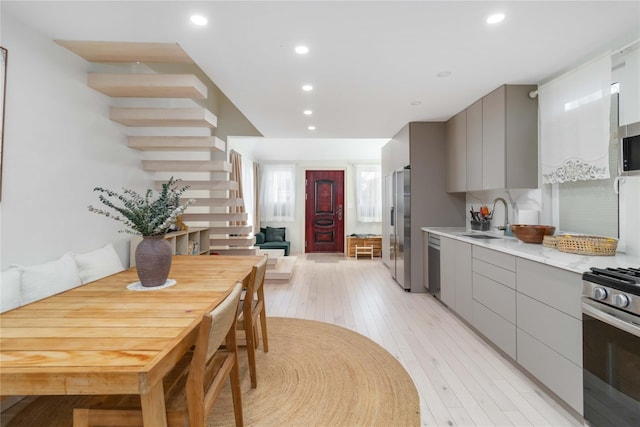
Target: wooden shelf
{"x":179,"y":241}
{"x":374,"y":241}
{"x":186,"y":166}
{"x":148,"y":85}
{"x":101,"y":51}
{"x":177,"y":143}
{"x":163,"y":117}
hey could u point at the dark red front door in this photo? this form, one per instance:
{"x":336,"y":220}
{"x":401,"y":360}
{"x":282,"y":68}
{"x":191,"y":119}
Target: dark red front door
{"x":324,"y":211}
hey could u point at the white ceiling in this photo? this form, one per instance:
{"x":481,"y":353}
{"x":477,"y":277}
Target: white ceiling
{"x":368,"y":61}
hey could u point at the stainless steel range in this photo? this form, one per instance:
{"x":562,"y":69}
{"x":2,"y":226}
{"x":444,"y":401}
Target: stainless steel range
{"x":611,"y":346}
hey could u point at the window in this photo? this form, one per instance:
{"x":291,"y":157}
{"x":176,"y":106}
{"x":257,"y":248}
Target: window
{"x":368,"y":193}
{"x":277,"y":192}
{"x":591,"y":207}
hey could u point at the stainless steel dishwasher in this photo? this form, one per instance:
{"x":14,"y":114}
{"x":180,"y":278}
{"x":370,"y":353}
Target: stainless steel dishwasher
{"x":433,"y":247}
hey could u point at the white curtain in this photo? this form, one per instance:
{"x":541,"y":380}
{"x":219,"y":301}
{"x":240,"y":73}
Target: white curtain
{"x":369,"y":193}
{"x":277,"y":197}
{"x":249,"y":192}
{"x":574,"y":124}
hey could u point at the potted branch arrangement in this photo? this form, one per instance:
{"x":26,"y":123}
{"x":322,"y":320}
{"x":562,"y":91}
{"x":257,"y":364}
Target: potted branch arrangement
{"x":151,"y":218}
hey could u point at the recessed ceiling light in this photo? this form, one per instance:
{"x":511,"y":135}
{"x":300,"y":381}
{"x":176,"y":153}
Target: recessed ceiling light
{"x":307,"y":112}
{"x":444,"y":74}
{"x":199,"y":20}
{"x":311,"y":127}
{"x":495,"y":18}
{"x":307,"y":88}
{"x":302,"y":50}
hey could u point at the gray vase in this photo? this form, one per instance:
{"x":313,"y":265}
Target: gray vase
{"x":153,"y":260}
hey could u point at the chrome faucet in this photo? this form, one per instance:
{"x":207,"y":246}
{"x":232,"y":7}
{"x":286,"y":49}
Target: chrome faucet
{"x":505,"y":228}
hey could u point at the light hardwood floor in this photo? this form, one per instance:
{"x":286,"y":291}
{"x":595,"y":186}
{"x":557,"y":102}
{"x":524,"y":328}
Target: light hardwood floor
{"x":462,"y":381}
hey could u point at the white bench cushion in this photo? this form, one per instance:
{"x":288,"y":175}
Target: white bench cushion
{"x":99,"y":263}
{"x":10,"y":289}
{"x":43,"y":280}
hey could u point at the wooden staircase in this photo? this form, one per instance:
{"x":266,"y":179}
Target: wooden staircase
{"x":212,"y":190}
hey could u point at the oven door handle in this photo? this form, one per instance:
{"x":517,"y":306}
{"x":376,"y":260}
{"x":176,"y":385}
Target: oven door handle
{"x":613,"y":317}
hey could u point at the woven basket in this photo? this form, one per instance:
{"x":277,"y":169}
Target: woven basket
{"x":550,"y":241}
{"x":587,"y":245}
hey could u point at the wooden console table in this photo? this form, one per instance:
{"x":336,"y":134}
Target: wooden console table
{"x":375,"y":242}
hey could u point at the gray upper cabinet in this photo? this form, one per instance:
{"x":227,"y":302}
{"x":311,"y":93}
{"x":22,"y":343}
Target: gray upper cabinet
{"x":510,"y":138}
{"x":499,"y":137}
{"x":494,"y":139}
{"x":456,"y":153}
{"x":474,"y":146}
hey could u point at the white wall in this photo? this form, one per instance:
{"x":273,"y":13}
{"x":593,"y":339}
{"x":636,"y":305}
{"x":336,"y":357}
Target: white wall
{"x":58,"y":145}
{"x":315,"y":154}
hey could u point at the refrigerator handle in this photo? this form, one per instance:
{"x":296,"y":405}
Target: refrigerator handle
{"x":616,"y":184}
{"x":393,"y":210}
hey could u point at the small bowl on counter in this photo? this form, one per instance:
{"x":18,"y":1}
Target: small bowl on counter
{"x":532,"y":233}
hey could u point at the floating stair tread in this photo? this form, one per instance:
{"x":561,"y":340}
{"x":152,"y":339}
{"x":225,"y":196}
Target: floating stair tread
{"x":204,"y":185}
{"x":283,"y":270}
{"x":162,"y":117}
{"x":103,"y":51}
{"x":197,"y":201}
{"x":177,"y":143}
{"x":241,"y":242}
{"x":215,"y":216}
{"x":227,"y":250}
{"x":231,"y":229}
{"x":148,"y":85}
{"x":186,"y":165}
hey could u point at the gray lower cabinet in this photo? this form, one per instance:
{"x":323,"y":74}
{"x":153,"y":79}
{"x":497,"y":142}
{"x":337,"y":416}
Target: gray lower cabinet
{"x":455,"y":276}
{"x":494,"y":297}
{"x":497,"y":329}
{"x":529,"y":310}
{"x":562,"y":376}
{"x":447,"y":272}
{"x":463,"y":280}
{"x":549,"y":332}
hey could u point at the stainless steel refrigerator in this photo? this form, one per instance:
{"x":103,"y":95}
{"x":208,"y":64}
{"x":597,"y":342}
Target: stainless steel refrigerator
{"x":399,"y":189}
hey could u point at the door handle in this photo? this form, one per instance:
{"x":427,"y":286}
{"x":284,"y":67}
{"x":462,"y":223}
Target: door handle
{"x":339,"y":212}
{"x":392,"y":217}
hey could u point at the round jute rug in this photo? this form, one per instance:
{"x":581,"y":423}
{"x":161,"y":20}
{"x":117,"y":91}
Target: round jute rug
{"x":318,"y":374}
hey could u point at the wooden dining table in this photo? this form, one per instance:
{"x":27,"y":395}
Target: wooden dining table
{"x":102,"y":338}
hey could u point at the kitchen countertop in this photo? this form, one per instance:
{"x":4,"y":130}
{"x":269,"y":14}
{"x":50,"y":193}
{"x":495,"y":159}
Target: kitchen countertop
{"x":537,"y":252}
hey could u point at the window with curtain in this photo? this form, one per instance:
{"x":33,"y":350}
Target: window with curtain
{"x":277,"y":196}
{"x":574,"y":124}
{"x":591,"y":207}
{"x":369,"y":193}
{"x":249,"y":191}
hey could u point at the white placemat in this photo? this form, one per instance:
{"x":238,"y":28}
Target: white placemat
{"x":137,"y":286}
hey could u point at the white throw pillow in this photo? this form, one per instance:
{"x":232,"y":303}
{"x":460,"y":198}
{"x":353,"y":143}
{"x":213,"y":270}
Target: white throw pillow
{"x":10,"y":289}
{"x":97,"y":264}
{"x":42,"y":280}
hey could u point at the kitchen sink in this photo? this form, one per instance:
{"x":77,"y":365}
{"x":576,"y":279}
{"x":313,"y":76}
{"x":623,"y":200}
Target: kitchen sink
{"x":481,"y":236}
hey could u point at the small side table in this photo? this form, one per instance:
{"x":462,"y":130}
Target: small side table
{"x":364,"y":250}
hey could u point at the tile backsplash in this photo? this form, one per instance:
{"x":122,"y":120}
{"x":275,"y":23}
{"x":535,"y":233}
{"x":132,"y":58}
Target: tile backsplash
{"x":524,"y":205}
{"x":532,"y":206}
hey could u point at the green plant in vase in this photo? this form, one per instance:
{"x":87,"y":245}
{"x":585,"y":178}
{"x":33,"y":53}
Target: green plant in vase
{"x":149,"y":216}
